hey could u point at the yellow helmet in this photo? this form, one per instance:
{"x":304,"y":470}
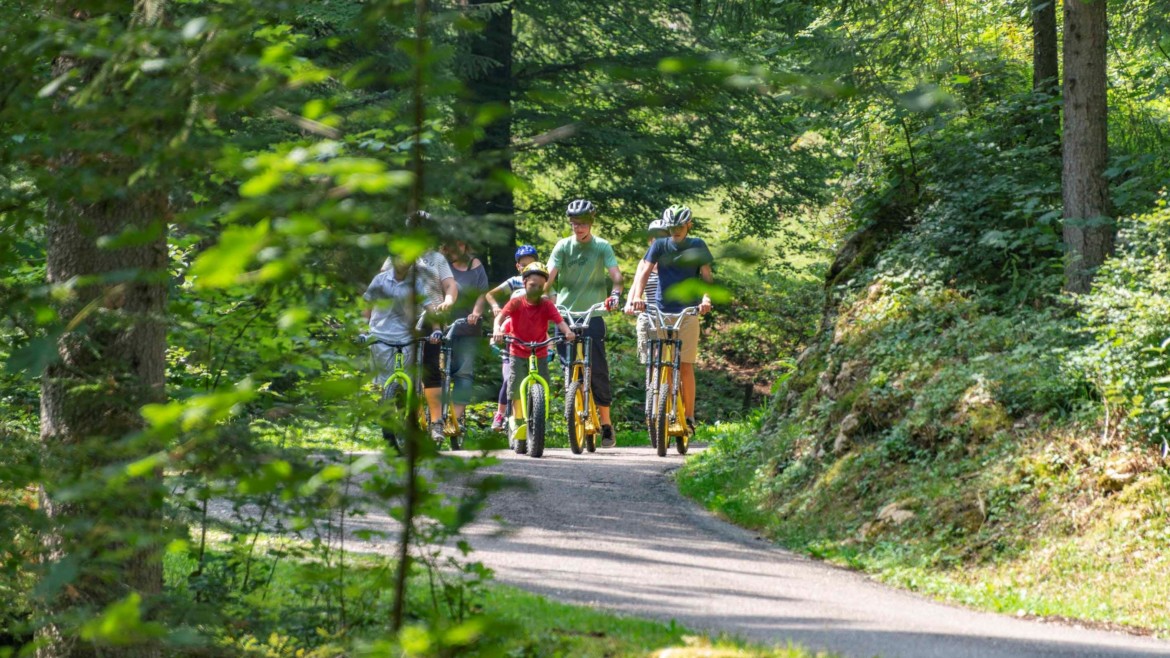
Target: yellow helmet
{"x":535,"y":267}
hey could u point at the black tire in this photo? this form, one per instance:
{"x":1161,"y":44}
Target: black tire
{"x":661,"y":422}
{"x":590,"y":443}
{"x":681,"y":443}
{"x":572,"y":427}
{"x":650,"y":389}
{"x":456,"y":441}
{"x":536,"y":408}
{"x":395,"y":414}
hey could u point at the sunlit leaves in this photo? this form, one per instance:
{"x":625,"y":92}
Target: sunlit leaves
{"x":224,"y":264}
{"x":121,"y":623}
{"x":693,"y":289}
{"x":198,"y":411}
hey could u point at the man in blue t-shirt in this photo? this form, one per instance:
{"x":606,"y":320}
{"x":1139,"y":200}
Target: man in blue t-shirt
{"x":680,"y":259}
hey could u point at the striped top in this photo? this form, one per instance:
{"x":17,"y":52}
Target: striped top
{"x":650,"y":294}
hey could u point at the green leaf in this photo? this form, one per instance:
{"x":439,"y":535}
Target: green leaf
{"x":121,"y":624}
{"x":34,"y":358}
{"x":692,"y":289}
{"x":223,"y":264}
{"x":261,"y":184}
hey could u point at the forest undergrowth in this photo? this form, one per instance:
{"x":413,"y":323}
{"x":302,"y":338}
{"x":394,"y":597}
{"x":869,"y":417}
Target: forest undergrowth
{"x":960,"y":426}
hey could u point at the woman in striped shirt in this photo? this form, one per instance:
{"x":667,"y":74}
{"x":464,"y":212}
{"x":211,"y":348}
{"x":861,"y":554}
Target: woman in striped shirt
{"x":657,"y":229}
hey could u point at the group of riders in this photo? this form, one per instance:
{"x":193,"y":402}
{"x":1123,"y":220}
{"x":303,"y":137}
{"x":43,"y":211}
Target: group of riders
{"x":581,"y":273}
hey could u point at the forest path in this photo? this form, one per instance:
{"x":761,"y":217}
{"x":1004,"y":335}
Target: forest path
{"x":611,"y":530}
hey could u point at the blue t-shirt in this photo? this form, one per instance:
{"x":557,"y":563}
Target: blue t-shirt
{"x":677,"y":263}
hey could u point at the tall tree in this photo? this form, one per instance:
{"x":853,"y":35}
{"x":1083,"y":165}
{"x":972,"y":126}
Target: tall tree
{"x":1045,"y":67}
{"x":105,"y":219}
{"x":1088,"y":230}
{"x":489,"y":85}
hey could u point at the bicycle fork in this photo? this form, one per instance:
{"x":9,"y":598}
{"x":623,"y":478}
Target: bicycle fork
{"x":585,"y":349}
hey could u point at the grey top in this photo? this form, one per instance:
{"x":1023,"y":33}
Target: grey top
{"x":393,"y":319}
{"x":433,"y":270}
{"x":472,"y":283}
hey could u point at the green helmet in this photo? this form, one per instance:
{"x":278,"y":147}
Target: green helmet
{"x":676,"y":216}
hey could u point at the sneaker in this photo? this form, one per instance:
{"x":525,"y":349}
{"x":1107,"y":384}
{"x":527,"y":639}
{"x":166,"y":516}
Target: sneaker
{"x":436,"y":430}
{"x":607,"y":440}
{"x":462,"y":422}
{"x":691,"y":426}
{"x":498,"y":422}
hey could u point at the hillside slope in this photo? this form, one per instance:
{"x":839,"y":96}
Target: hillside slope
{"x":961,"y":441}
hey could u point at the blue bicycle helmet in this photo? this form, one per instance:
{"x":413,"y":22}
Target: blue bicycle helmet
{"x":525,"y":250}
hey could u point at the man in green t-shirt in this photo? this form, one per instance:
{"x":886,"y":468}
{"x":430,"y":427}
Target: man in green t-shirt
{"x":583,"y":271}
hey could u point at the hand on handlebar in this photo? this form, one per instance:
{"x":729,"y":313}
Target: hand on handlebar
{"x":473,"y":317}
{"x":436,"y":336}
{"x":570,"y":336}
{"x":635,"y":306}
{"x":704,"y":306}
{"x":612,"y":302}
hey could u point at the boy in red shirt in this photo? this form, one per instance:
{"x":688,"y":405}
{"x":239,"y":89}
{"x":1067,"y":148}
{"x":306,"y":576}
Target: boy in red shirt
{"x":530,"y":316}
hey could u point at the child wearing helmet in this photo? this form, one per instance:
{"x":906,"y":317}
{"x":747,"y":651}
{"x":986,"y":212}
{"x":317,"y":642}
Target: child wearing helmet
{"x":530,"y":315}
{"x":512,"y":287}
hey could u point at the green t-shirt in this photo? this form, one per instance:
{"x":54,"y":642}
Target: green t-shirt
{"x":582,"y":272}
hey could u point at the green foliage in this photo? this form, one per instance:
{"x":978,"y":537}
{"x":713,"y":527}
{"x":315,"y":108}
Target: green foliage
{"x":1127,"y":314}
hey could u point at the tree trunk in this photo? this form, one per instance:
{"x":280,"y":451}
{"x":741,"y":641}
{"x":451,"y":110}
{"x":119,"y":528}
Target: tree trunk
{"x":105,"y":526}
{"x":1088,"y":230}
{"x":111,"y":364}
{"x":493,"y":86}
{"x":1045,"y":69}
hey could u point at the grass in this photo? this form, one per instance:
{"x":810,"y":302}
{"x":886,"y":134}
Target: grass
{"x":1019,"y":525}
{"x":297,"y":611}
{"x":321,"y":437}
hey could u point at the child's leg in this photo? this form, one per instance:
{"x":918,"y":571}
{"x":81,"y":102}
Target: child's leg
{"x":518,"y":372}
{"x":503,"y":398}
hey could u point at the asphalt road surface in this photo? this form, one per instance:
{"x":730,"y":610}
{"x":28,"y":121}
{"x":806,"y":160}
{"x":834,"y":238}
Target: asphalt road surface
{"x":610,"y":530}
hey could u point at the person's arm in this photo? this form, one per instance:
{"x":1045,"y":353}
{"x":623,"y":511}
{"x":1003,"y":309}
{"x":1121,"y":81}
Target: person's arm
{"x":554,"y":266}
{"x":615,"y":295}
{"x":498,"y":322}
{"x":371,"y":294}
{"x":450,"y":294}
{"x":490,"y":296}
{"x":635,"y":302}
{"x":563,"y":327}
{"x":708,"y":277}
{"x":552,"y":276}
{"x":480,"y":283}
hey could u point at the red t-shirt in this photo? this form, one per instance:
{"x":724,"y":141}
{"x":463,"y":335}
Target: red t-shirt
{"x":530,"y":322}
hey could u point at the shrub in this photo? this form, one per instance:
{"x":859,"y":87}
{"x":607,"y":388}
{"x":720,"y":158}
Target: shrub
{"x":1128,"y":315}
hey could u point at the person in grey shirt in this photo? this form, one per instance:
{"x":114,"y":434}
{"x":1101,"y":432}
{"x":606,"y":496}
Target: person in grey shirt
{"x":441,"y":294}
{"x":395,"y":295}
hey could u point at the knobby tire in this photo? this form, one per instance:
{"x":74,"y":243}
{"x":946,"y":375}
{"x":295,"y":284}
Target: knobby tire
{"x":536,"y":418}
{"x":681,"y":443}
{"x":394,"y":414}
{"x":574,"y":402}
{"x":661,"y":421}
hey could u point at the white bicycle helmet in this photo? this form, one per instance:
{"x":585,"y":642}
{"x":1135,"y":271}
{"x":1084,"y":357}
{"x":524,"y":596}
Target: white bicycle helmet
{"x":676,"y":216}
{"x":580,"y":207}
{"x":658,"y":227}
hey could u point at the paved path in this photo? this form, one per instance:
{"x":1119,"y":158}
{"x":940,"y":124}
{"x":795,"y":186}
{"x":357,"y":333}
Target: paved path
{"x":611,"y":530}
